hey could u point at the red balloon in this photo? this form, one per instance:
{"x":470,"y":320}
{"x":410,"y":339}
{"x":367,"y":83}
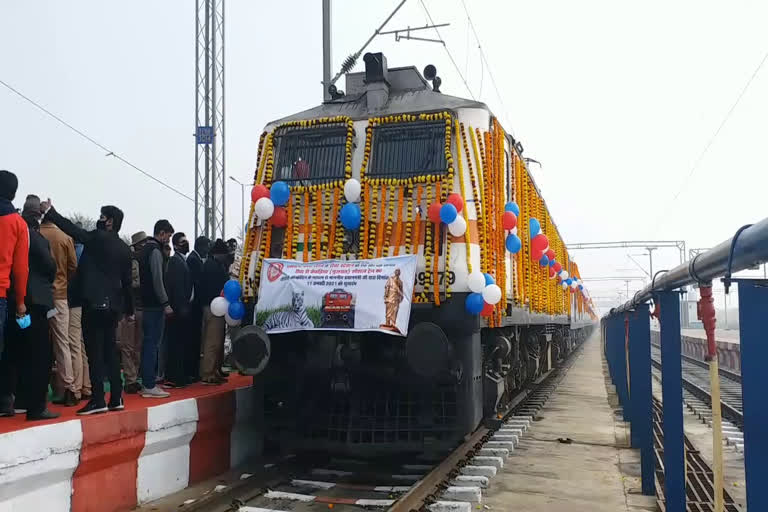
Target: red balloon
{"x":487,"y":310}
{"x":433,"y":212}
{"x":258,"y":192}
{"x":551,"y":272}
{"x":536,"y":255}
{"x":540,"y":242}
{"x":279,"y":218}
{"x":509,"y":220}
{"x":550,"y":254}
{"x":456,"y":200}
{"x":557,"y":266}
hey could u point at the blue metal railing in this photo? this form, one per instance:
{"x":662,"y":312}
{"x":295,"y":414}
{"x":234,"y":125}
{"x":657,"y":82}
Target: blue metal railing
{"x":626,"y":341}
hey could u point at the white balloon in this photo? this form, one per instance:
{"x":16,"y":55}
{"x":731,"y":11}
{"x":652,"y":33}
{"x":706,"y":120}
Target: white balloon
{"x":574,"y":285}
{"x":219,"y":306}
{"x":264,"y":208}
{"x":564,"y":275}
{"x":514,"y":230}
{"x":458,"y":227}
{"x":492,"y":294}
{"x":352,"y":190}
{"x":476,"y":281}
{"x":231,"y":321}
{"x":564,"y":285}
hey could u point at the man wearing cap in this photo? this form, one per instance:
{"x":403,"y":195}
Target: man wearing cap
{"x":130,"y":327}
{"x":215,"y":275}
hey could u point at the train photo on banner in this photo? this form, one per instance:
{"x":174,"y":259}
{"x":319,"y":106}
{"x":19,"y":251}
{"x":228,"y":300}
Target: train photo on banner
{"x":394,"y":167}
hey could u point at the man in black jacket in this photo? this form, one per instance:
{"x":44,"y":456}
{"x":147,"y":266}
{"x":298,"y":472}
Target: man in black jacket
{"x":104,"y":285}
{"x":178,"y":283}
{"x":215,"y":275}
{"x":157,"y":308}
{"x":26,"y":361}
{"x":195,"y":262}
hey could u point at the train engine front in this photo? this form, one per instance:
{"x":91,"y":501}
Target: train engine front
{"x":329,"y":386}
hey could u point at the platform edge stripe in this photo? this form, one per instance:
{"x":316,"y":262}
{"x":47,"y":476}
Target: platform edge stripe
{"x":110,"y":453}
{"x":280,"y":495}
{"x":210,"y":447}
{"x":163,"y":466}
{"x":44,"y":458}
{"x":245,"y":439}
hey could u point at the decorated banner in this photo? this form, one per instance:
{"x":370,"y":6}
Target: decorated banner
{"x":359,"y":295}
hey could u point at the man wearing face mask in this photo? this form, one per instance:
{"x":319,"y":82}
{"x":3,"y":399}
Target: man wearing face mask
{"x":178,"y":283}
{"x":104,"y":286}
{"x":215,"y":275}
{"x":195,"y":264}
{"x":26,"y":363}
{"x":157,"y":307}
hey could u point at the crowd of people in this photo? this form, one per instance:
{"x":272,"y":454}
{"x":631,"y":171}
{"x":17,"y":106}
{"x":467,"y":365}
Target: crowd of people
{"x":137,"y":316}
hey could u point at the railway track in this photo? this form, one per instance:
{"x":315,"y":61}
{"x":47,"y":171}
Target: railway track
{"x":696,"y":387}
{"x":697,"y":398}
{"x":450,"y":483}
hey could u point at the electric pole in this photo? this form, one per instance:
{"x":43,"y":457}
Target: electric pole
{"x":326,"y":49}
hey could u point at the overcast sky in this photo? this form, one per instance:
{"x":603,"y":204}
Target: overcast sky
{"x":617,"y":101}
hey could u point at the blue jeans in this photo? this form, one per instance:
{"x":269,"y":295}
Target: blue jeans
{"x":152,"y":324}
{"x":3,"y":315}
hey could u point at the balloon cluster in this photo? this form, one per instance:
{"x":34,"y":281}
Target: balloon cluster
{"x":449,"y":214}
{"x":350,"y":213}
{"x":509,"y":223}
{"x":229,"y":304}
{"x":269,"y":203}
{"x":485,"y":294}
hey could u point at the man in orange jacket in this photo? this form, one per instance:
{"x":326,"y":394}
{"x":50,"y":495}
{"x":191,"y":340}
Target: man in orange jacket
{"x":14,"y":253}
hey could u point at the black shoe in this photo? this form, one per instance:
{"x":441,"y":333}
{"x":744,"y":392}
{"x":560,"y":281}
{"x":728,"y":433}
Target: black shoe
{"x":116,"y":407}
{"x":92,"y":408}
{"x":86,"y":398}
{"x":223,"y":372}
{"x":45,"y":414}
{"x":7,"y":412}
{"x":68,"y":399}
{"x":173,"y":385}
{"x":132,"y":388}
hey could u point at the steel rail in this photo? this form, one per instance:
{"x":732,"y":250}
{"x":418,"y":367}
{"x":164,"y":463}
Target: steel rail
{"x":728,"y":374}
{"x":749,"y":249}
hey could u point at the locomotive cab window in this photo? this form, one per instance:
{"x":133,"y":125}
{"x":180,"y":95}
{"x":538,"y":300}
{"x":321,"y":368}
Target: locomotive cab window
{"x":406,"y":150}
{"x":310,"y":156}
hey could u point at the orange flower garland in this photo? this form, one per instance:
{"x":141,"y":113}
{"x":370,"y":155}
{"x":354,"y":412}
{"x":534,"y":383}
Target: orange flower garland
{"x":318,"y":236}
{"x":437,"y":244}
{"x":382,"y":220}
{"x":399,"y":223}
{"x":332,"y":252}
{"x":287,"y":242}
{"x":417,"y":222}
{"x":305,"y":252}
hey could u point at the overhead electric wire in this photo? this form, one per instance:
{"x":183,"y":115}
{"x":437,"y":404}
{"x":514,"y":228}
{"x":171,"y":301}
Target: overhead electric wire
{"x":92,"y":141}
{"x":487,"y":64}
{"x":445,"y":45}
{"x":717,"y":131}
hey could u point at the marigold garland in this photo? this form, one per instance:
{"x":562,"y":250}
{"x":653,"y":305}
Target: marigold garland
{"x":287,"y":242}
{"x":408,"y":227}
{"x":305,"y":252}
{"x":417,"y":222}
{"x":317,"y":198}
{"x":428,"y":249}
{"x":332,"y":247}
{"x":437,"y":243}
{"x":296,"y":223}
{"x":464,"y":211}
{"x":481,"y":218}
{"x":375,"y":215}
{"x":363,"y":251}
{"x":382,"y":221}
{"x":399,"y":219}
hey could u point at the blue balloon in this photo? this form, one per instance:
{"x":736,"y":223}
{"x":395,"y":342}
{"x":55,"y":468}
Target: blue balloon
{"x":474,"y":303}
{"x":544,"y":261}
{"x":569,"y":281}
{"x":512,"y":207}
{"x":552,"y":262}
{"x":279,"y":193}
{"x":513,"y":243}
{"x":489,"y":279}
{"x":448,"y":213}
{"x":350,"y":216}
{"x":535,"y":227}
{"x":581,"y":287}
{"x":232,"y":290}
{"x":236,"y":310}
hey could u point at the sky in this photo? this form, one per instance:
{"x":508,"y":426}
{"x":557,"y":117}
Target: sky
{"x":617,"y":100}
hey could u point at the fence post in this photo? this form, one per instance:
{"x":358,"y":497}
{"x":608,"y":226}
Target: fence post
{"x":753,"y":305}
{"x":640,"y":382}
{"x":672,"y":395}
{"x":620,"y":361}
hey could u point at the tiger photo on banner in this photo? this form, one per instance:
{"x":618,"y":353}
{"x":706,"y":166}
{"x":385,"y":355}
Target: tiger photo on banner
{"x":358,"y":295}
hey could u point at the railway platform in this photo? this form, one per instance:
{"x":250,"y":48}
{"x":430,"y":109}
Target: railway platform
{"x":114,"y":461}
{"x":576,"y":455}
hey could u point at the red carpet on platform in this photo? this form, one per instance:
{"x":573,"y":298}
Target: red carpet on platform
{"x":132,"y":403}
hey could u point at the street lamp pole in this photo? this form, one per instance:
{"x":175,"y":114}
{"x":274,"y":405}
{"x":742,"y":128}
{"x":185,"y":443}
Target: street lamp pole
{"x":242,"y":201}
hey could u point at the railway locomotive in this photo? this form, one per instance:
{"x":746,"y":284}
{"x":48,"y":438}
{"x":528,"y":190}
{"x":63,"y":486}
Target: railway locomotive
{"x":409,"y":146}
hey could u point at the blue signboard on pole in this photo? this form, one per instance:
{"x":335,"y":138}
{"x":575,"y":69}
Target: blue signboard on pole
{"x":204,"y":135}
